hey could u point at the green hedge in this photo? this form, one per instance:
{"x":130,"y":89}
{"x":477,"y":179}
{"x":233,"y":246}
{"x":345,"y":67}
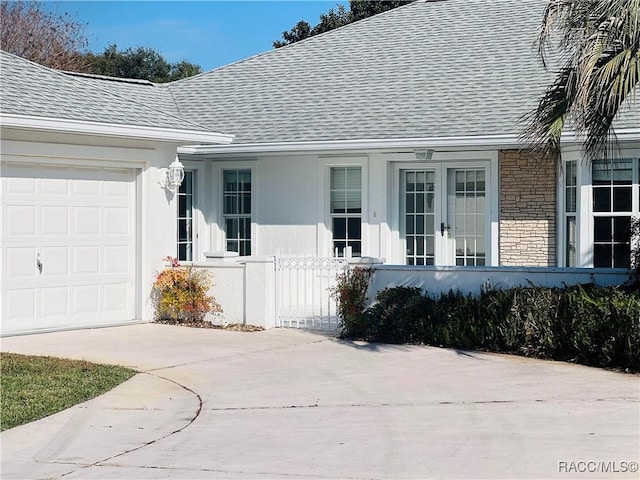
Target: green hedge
{"x":598,"y":326}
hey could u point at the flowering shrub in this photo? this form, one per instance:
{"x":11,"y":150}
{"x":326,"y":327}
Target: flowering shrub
{"x":180,"y":293}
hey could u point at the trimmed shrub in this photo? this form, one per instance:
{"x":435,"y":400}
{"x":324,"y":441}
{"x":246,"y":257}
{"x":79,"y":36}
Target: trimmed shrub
{"x":598,"y":326}
{"x":397,"y":316}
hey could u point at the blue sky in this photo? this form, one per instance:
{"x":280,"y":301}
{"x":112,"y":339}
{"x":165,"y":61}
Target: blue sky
{"x":208,"y":33}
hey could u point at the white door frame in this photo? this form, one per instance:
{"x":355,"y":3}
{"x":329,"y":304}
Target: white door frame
{"x":441,"y":163}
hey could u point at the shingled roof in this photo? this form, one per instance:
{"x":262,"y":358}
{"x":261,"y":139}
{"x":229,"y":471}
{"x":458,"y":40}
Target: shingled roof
{"x":33,"y":90}
{"x":428,"y":69}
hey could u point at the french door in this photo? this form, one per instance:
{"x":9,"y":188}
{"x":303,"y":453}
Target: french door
{"x":444,"y":214}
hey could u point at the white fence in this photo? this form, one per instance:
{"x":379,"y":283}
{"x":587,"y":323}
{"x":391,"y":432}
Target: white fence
{"x":303,"y":291}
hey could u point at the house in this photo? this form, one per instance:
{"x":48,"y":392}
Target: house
{"x":396,"y":137}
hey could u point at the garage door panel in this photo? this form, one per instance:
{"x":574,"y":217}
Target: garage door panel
{"x":86,"y":260}
{"x":20,"y":263}
{"x":21,"y":186}
{"x":21,"y":221}
{"x":21,"y":307}
{"x":86,"y":221}
{"x":116,"y":221}
{"x":56,"y":187}
{"x":86,"y":300}
{"x":54,"y":221}
{"x":54,"y":303}
{"x":115,"y":298}
{"x":54,"y":261}
{"x":117,"y":260}
{"x":113,"y":189}
{"x":86,"y":188}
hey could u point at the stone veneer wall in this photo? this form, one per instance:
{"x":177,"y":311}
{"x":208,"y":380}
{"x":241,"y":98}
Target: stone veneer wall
{"x":527,"y":209}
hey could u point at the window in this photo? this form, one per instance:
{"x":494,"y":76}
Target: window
{"x":346,"y":209}
{"x":237,"y":210}
{"x":570,"y":208}
{"x":612,"y":184}
{"x":185,"y":218}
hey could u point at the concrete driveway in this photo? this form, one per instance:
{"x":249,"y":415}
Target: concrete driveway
{"x":294,"y":404}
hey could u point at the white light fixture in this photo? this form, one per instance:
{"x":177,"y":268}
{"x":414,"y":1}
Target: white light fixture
{"x":423,"y":154}
{"x":175,"y":175}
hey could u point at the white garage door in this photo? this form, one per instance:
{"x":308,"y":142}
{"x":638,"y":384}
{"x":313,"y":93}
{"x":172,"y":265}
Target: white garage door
{"x":68,"y":247}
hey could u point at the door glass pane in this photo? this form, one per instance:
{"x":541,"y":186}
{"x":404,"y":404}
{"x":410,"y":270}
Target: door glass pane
{"x":480,"y":179}
{"x":429,"y":205}
{"x":409,"y":224}
{"x":410,"y":203}
{"x":420,"y":205}
{"x":419,"y":216}
{"x":467,"y":207}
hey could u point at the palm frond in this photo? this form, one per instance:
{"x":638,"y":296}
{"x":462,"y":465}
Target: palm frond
{"x":600,"y":41}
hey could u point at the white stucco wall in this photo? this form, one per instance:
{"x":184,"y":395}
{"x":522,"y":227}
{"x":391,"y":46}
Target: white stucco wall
{"x":288,"y":210}
{"x":436,"y":280}
{"x":157,"y":224}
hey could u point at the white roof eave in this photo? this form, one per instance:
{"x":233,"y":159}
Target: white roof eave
{"x":436,"y":143}
{"x":360,"y":144}
{"x":63,"y":125}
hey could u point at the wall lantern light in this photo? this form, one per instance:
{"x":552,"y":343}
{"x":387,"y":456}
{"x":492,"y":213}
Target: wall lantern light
{"x":175,"y":175}
{"x":423,"y":154}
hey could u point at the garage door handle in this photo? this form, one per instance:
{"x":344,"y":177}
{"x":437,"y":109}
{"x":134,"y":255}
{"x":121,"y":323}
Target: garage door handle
{"x":39,"y":264}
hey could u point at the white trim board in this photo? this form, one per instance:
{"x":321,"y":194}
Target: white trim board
{"x":112,"y":130}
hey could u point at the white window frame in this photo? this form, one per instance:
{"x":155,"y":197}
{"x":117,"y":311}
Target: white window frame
{"x":193,"y":232}
{"x":325,"y":230}
{"x":218,"y":231}
{"x":347,"y":251}
{"x":584,"y":203}
{"x":197,"y":208}
{"x":572,"y":155}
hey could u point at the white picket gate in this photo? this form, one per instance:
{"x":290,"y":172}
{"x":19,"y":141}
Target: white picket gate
{"x":303,"y":291}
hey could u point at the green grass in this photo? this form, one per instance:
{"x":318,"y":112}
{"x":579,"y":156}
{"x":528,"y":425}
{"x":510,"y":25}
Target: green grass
{"x":35,"y":387}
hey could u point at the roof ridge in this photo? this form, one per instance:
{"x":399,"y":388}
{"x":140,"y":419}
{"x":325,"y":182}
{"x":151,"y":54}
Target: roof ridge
{"x":64,"y":74}
{"x":136,"y":81}
{"x":295,"y":44}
